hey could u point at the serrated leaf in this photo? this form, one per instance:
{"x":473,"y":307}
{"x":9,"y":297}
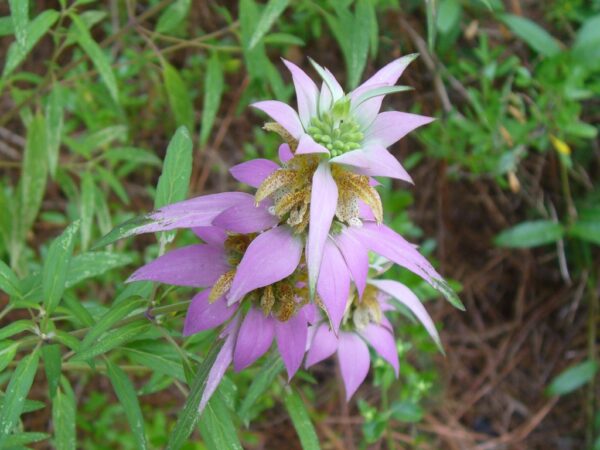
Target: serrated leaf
{"x":530,"y":234}
{"x":34,"y":173}
{"x":97,"y":55}
{"x":213,"y":90}
{"x":263,"y":381}
{"x":573,"y":378}
{"x":52,"y":365}
{"x":128,"y":398}
{"x":92,"y":264}
{"x":9,"y":282}
{"x":113,"y":340}
{"x":64,"y":410}
{"x":175,"y":177}
{"x":16,"y":392}
{"x":56,"y":267}
{"x":110,"y":318}
{"x":189,"y":415}
{"x":180,"y":97}
{"x":86,"y":208}
{"x":301,"y":420}
{"x":216,"y":426}
{"x":54,"y":126}
{"x":268,"y":17}
{"x":172,"y":16}
{"x":35,"y":30}
{"x":535,"y":36}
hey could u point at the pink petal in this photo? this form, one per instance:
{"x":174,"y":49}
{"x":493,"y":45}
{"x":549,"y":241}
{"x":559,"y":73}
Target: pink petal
{"x":389,"y":127}
{"x":307,"y":145}
{"x":217,"y":371}
{"x":375,"y":161}
{"x":356,"y":257}
{"x":307,"y":93}
{"x":324,"y":343}
{"x":195,"y":212}
{"x":246,"y":217}
{"x":195,"y":265}
{"x":333,"y":284}
{"x":384,"y":343}
{"x":291,"y":342}
{"x":285,"y":153}
{"x":365,"y":211}
{"x":391,"y":245}
{"x":283,"y":114}
{"x":390,"y":73}
{"x":253,"y":172}
{"x":366,"y":111}
{"x":323,"y":203}
{"x":203,"y":315}
{"x":211,"y":235}
{"x":405,"y":296}
{"x":254,"y":338}
{"x":353,"y":355}
{"x":271,"y":257}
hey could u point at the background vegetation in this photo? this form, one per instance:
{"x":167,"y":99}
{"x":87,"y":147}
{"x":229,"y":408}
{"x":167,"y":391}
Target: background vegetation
{"x":506,"y":201}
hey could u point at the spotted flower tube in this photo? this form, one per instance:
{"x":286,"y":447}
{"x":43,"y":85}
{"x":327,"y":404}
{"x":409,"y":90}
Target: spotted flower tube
{"x":344,"y":132}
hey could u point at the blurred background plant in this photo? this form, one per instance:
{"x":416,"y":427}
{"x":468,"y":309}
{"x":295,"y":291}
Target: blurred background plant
{"x":92,"y":94}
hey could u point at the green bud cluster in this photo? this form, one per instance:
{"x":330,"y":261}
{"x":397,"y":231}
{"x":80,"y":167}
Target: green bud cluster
{"x":336,"y":131}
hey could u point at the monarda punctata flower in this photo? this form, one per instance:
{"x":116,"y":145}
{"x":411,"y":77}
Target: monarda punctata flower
{"x":343,"y":132}
{"x":365,"y":324}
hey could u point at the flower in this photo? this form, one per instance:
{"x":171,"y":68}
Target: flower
{"x":364,"y":325}
{"x":339,"y":131}
{"x":256,"y":286}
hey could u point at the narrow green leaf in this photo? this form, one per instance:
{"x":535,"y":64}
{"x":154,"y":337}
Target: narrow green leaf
{"x":573,"y":378}
{"x":587,"y":230}
{"x":34,"y":173}
{"x":9,"y":282}
{"x":431,"y":10}
{"x":359,"y":36}
{"x":128,"y":398}
{"x":407,"y":411}
{"x":52,"y":366}
{"x":54,"y":126}
{"x":8,"y":350}
{"x":121,"y":231}
{"x":156,"y":362}
{"x":270,"y":14}
{"x":263,"y":381}
{"x":75,"y":306}
{"x":97,"y":55}
{"x":114,"y":339}
{"x":6,"y":26}
{"x":16,"y":327}
{"x":16,"y":441}
{"x":216,"y":426}
{"x":530,"y":234}
{"x":535,"y":36}
{"x":173,"y":16}
{"x":110,"y":318}
{"x":283,"y":39}
{"x":189,"y":416}
{"x":86,"y":208}
{"x":132,"y":154}
{"x":92,"y":264}
{"x":64,"y":410}
{"x":301,"y":420}
{"x":35,"y":30}
{"x":213,"y":90}
{"x":448,"y":17}
{"x":175,"y":177}
{"x":179,"y":95}
{"x":56,"y":267}
{"x":16,"y":392}
{"x":19,"y":12}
